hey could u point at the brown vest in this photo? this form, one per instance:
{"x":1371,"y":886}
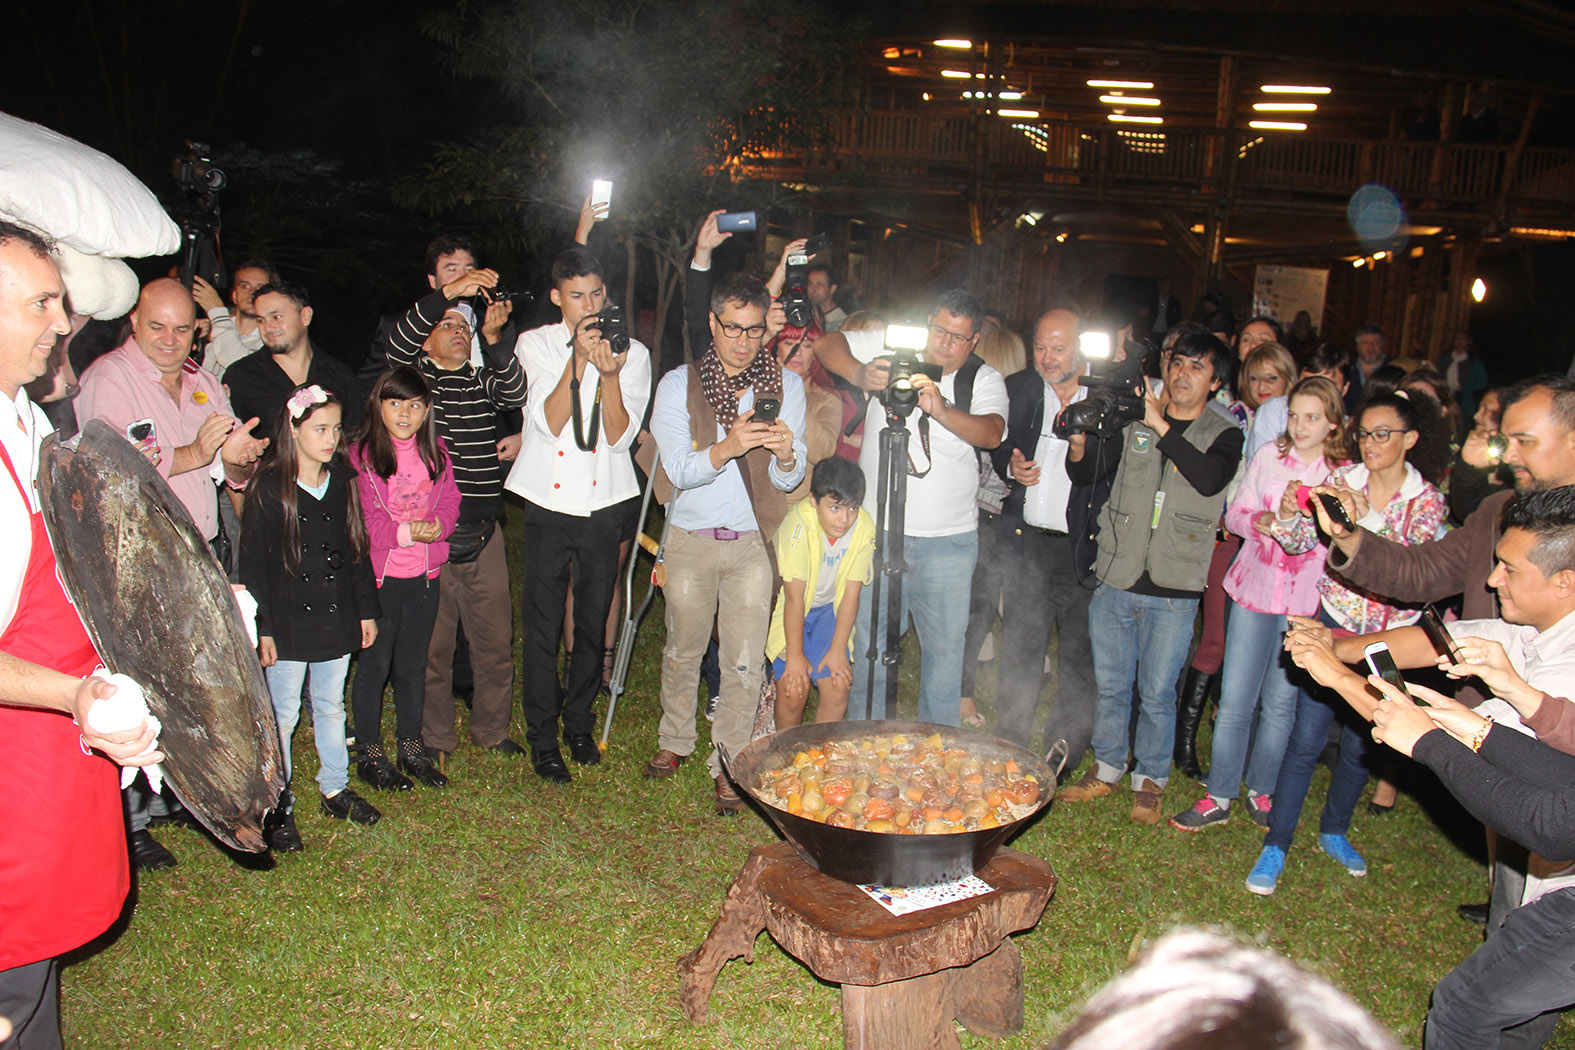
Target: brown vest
{"x":770,"y":503}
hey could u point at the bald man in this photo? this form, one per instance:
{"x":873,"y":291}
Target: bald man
{"x":195,"y":442}
{"x":1047,"y":550}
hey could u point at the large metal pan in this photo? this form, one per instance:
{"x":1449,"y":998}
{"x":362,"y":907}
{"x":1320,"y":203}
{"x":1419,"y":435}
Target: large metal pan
{"x":159,"y":609}
{"x":871,"y":856}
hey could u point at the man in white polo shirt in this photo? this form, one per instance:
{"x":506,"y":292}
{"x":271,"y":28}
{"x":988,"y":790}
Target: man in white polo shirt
{"x":583,"y":407}
{"x":963,"y":412}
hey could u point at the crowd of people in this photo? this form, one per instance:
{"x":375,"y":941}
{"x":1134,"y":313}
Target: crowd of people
{"x":1251,"y":516}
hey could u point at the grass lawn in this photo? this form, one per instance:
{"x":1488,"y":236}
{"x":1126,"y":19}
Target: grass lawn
{"x":511,"y":913}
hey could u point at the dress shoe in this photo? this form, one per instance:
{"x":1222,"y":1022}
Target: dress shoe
{"x":1477,"y":913}
{"x":549,"y":766}
{"x":281,"y":834}
{"x":419,"y":767}
{"x":507,"y":747}
{"x":583,"y":749}
{"x":381,"y":774}
{"x":663,"y":765}
{"x":347,"y":805}
{"x":147,"y":854}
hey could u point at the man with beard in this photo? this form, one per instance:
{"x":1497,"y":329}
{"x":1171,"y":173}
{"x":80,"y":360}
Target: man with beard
{"x":261,"y":382}
{"x":1047,"y":547}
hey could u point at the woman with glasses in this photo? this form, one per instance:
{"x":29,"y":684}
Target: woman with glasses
{"x":1401,"y":451}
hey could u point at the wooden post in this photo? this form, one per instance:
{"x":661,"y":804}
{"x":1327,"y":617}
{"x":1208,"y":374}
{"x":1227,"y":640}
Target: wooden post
{"x":1512,"y":163}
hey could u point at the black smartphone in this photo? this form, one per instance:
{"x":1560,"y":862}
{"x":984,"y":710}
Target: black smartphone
{"x":736,"y":222}
{"x":817,"y":244}
{"x":1437,"y":634}
{"x":1336,"y":510}
{"x":766,"y":409}
{"x":1383,"y":665}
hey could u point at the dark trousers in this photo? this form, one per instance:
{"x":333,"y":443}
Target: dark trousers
{"x":30,"y":1000}
{"x":1508,"y":993}
{"x":404,"y":632}
{"x":990,"y":578}
{"x":560,"y":548}
{"x":1043,"y":593}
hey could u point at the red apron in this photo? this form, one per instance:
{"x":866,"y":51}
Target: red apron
{"x":64,"y":873}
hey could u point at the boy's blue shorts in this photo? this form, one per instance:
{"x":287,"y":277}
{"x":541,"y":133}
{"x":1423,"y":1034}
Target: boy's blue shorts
{"x":820,"y":624}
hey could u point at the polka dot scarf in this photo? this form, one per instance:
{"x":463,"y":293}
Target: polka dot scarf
{"x":721,"y":390}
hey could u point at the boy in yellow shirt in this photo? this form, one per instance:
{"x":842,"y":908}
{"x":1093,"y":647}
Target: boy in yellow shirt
{"x":825,"y":550}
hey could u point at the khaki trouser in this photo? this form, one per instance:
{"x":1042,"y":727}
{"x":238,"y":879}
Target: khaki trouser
{"x":728,"y":581}
{"x":476,"y":594}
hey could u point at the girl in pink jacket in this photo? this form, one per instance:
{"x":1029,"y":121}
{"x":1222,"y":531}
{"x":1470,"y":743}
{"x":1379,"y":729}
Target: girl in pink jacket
{"x":411,"y":505}
{"x":1265,"y":583}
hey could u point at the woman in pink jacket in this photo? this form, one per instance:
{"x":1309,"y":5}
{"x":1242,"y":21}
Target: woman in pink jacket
{"x":1265,"y":583}
{"x":411,"y":505}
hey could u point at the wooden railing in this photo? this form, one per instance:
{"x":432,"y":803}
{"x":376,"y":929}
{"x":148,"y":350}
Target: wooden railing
{"x":906,"y":145}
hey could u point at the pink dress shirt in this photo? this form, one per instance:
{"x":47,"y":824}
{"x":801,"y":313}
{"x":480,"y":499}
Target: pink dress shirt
{"x":123,"y":386}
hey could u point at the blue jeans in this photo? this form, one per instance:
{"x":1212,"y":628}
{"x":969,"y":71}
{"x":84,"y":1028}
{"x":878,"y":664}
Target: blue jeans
{"x":1146,"y":638}
{"x":324,"y":682}
{"x":1509,"y":991}
{"x":1314,"y":712}
{"x":935,"y":593}
{"x":1255,"y":677}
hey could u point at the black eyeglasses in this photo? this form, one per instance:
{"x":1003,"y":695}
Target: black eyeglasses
{"x":1380,"y":435}
{"x":733,"y":331}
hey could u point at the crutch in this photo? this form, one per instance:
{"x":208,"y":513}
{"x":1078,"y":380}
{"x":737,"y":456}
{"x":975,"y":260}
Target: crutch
{"x":632,"y":614}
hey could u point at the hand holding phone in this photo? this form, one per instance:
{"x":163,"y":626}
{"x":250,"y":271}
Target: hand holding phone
{"x":1383,"y":665}
{"x":601,"y":197}
{"x":766,"y":409}
{"x":1443,"y":644}
{"x":1304,"y":498}
{"x":736,"y":222}
{"x":1336,"y":511}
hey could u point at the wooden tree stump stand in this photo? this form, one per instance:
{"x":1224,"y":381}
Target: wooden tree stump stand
{"x":904,"y":978}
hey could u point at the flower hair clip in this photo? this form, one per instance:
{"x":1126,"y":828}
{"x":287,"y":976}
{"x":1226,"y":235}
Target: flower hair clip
{"x":303,"y":399}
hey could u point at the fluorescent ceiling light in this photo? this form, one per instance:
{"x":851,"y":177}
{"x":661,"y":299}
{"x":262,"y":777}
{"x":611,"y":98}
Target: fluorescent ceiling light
{"x":1010,"y":96}
{"x":1358,"y":263}
{"x":955,"y":74}
{"x":1380,"y":255}
{"x":1128,"y":100}
{"x":1029,"y":114}
{"x":1142,"y":85}
{"x":1293,"y":89}
{"x":960,"y":44}
{"x":1277,"y":125}
{"x":1285,"y":107}
{"x":1126,"y":118}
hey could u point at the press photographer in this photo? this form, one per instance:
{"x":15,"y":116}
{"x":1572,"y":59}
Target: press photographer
{"x":1156,"y":536}
{"x":961,"y":409}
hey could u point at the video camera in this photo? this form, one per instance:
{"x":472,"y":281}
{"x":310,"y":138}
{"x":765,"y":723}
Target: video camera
{"x":795,"y":285}
{"x":1115,"y":392}
{"x":198,"y":214}
{"x":901,"y":396}
{"x":613,"y":328}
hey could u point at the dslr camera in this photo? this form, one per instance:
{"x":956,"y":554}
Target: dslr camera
{"x":795,"y":285}
{"x":901,"y":396}
{"x":1115,"y":395}
{"x":613,"y":328}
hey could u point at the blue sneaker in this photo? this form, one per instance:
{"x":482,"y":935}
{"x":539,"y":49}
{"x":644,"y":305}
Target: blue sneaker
{"x":1265,"y":874}
{"x":1340,"y":848}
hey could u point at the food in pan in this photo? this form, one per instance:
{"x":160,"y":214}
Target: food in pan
{"x":900,"y":785}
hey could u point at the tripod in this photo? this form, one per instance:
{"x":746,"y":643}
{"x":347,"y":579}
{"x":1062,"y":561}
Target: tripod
{"x":891,"y":490}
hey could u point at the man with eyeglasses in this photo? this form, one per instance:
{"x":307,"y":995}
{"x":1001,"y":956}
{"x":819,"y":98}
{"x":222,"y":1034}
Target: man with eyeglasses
{"x":966,"y":411}
{"x":435,"y":335}
{"x":725,"y":474}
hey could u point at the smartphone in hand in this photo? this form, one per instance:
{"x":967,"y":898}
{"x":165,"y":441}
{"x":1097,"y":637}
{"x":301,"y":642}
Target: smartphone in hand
{"x":1383,"y":665}
{"x":1336,"y":511}
{"x":766,"y":409}
{"x":1438,"y":635}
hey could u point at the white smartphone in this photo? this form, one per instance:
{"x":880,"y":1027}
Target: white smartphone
{"x":601,"y":196}
{"x":1382,"y":664}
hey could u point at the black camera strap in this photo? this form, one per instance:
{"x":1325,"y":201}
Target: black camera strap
{"x":585,"y":444}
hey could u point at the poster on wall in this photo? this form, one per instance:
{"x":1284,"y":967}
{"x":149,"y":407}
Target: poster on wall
{"x":1281,"y":292}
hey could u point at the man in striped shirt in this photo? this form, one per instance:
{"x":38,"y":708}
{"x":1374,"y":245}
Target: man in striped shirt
{"x":435,"y":336}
